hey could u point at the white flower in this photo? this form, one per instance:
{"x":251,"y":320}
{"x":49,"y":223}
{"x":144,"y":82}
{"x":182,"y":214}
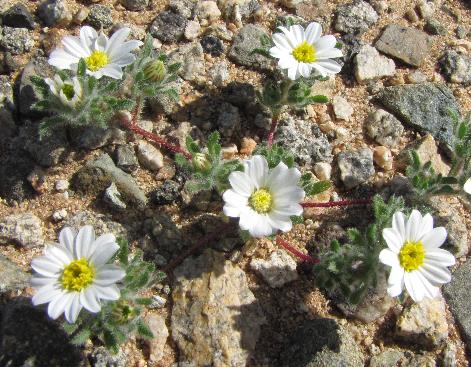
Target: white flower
{"x":300,"y":51}
{"x":75,"y":273}
{"x":415,"y":257}
{"x":264,"y":199}
{"x":102,"y":56}
{"x":467,"y":186}
{"x":69,"y":91}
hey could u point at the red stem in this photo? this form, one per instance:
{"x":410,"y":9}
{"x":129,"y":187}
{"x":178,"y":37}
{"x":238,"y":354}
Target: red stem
{"x":296,"y":252}
{"x":271,"y":133}
{"x":336,"y":203}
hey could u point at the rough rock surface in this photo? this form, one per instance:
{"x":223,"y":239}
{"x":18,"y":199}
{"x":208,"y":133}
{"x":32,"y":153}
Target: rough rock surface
{"x":168,"y":26}
{"x":356,"y":167}
{"x":355,"y":17}
{"x":406,"y":102}
{"x":384,"y":128}
{"x":456,"y":67}
{"x":191,"y":58}
{"x":278,"y":270}
{"x":247,"y":40}
{"x":215,"y":318}
{"x":370,"y":65}
{"x":409,"y":45}
{"x":22,"y":229}
{"x":156,"y":345}
{"x":12,"y":278}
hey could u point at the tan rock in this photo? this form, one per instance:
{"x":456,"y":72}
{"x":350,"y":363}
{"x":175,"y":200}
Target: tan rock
{"x":156,"y":345}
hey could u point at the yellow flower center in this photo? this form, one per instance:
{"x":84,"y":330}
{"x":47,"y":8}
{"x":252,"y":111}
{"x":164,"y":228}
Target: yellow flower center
{"x":68,"y":91}
{"x":96,"y":60}
{"x":411,"y":256}
{"x":261,"y":201}
{"x":77,"y":275}
{"x":305,"y":53}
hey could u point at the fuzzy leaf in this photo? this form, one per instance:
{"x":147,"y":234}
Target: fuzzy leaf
{"x":81,"y":337}
{"x":144,"y":330}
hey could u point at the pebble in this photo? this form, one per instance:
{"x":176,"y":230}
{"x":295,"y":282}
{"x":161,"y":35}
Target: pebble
{"x":12,"y":278}
{"x":244,"y":43}
{"x":191,"y":56}
{"x":434,"y":27}
{"x":168,"y":26}
{"x":156,"y":345}
{"x":81,"y":15}
{"x":192,"y":30}
{"x":55,"y":13}
{"x":342,"y":109}
{"x":113,"y":197}
{"x":383,"y":127}
{"x":278,"y":270}
{"x":167,"y":193}
{"x":135,"y":5}
{"x":356,"y":17}
{"x":356,"y":167}
{"x":219,"y":73}
{"x":62,"y":185}
{"x":207,"y":12}
{"x":59,"y":215}
{"x":18,"y":16}
{"x":16,"y":40}
{"x":383,"y":158}
{"x":99,"y":16}
{"x":323,"y":171}
{"x":183,"y":7}
{"x":370,"y":65}
{"x":158,"y":302}
{"x":149,"y":156}
{"x":412,"y":15}
{"x":125,"y":158}
{"x":22,"y":229}
{"x":425,"y":8}
{"x":212,"y":45}
{"x":456,"y":67}
{"x":416,"y":77}
{"x":247,"y":146}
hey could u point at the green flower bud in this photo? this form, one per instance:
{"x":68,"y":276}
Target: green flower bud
{"x":123,"y":312}
{"x":201,"y":162}
{"x":155,"y":70}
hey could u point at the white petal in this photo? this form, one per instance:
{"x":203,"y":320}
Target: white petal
{"x":287,"y":62}
{"x":62,"y":60}
{"x":124,"y":60}
{"x":414,"y":226}
{"x":241,"y":183}
{"x":262,"y":227}
{"x":430,"y":291}
{"x":46,"y":267}
{"x":110,"y":293}
{"x":40,"y":281}
{"x":87,"y":37}
{"x":248,"y":217}
{"x":257,"y":170}
{"x":289,"y":36}
{"x":325,"y":42}
{"x":105,"y":247}
{"x":467,"y":186}
{"x":396,"y":275}
{"x":108,"y":274}
{"x":414,"y":286}
{"x":59,"y":304}
{"x":304,"y":70}
{"x":435,"y":238}
{"x":117,"y":39}
{"x":73,"y":46}
{"x":278,"y":52}
{"x":393,"y":239}
{"x":288,"y":210}
{"x":281,"y":222}
{"x":73,"y":309}
{"x":60,"y":255}
{"x":123,"y":50}
{"x":426,"y":225}
{"x":313,"y":32}
{"x":388,"y":257}
{"x":113,"y":71}
{"x":327,"y":67}
{"x":84,"y":242}
{"x":399,"y":224}
{"x":282,"y":176}
{"x":67,"y":237}
{"x":328,"y":54}
{"x":101,"y":42}
{"x":46,"y":294}
{"x":298,"y":32}
{"x":435,"y":274}
{"x":293,"y":73}
{"x":234,"y":199}
{"x":291,"y":195}
{"x":444,"y":257}
{"x":231,"y":211}
{"x":283,"y":43}
{"x":89,"y":300}
{"x":395,"y":290}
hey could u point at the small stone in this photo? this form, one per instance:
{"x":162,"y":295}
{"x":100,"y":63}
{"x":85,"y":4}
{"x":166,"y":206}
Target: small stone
{"x":412,"y":15}
{"x":228,"y":120}
{"x":62,"y":185}
{"x":198,"y":200}
{"x":247,"y":146}
{"x":388,"y":358}
{"x":22,"y":229}
{"x":462,"y":32}
{"x":342,"y":109}
{"x":424,"y":323}
{"x":356,"y":17}
{"x":192,"y":30}
{"x":406,"y":44}
{"x":221,"y":31}
{"x":16,"y":40}
{"x":247,"y":40}
{"x":59,"y":215}
{"x":158,"y":302}
{"x":356,"y":167}
{"x":12,"y":278}
{"x":168,"y":193}
{"x":212,"y":45}
{"x":149,"y":156}
{"x":456,"y":67}
{"x":278,"y":270}
{"x":156,"y":345}
{"x":183,"y":7}
{"x":126,"y":159}
{"x":370,"y":65}
{"x":383,"y":158}
{"x":381,"y":6}
{"x":100,"y":16}
{"x":219,"y":74}
{"x":425,"y":8}
{"x":102,"y":357}
{"x":18,"y":16}
{"x":55,"y":13}
{"x":191,"y":57}
{"x":416,"y":77}
{"x":434,"y":26}
{"x":384,"y":128}
{"x":81,"y":15}
{"x":207,"y":11}
{"x":135,"y":5}
{"x":323,"y":171}
{"x":168,"y":26}
{"x":113,"y":197}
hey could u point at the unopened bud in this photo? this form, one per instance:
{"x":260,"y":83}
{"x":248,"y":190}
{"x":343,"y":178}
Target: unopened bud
{"x":123,"y":312}
{"x":155,"y":70}
{"x":201,"y":162}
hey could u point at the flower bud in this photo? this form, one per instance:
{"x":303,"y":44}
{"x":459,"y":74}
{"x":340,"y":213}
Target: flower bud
{"x":123,"y":312}
{"x":201,"y":162}
{"x":155,"y":70}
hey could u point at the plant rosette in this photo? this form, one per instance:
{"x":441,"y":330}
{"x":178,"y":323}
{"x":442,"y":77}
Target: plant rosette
{"x":417,"y":262}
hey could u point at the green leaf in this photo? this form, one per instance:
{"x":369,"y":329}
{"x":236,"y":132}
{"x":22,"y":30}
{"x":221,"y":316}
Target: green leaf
{"x":48,"y":124}
{"x":123,"y":253}
{"x":81,"y":337}
{"x":41,"y":85}
{"x":69,"y":328}
{"x":214,"y":148}
{"x":314,"y":188}
{"x":144,"y":301}
{"x":318,"y":99}
{"x":144,"y":330}
{"x":297,"y":219}
{"x":81,"y":68}
{"x":191,"y":145}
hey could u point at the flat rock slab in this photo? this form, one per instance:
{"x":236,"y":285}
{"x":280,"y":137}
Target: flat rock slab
{"x":12,"y":278}
{"x":406,"y":44}
{"x":215,"y":317}
{"x":424,"y":107}
{"x":457,"y":294}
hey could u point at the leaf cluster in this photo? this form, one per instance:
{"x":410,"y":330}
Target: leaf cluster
{"x":352,"y":268}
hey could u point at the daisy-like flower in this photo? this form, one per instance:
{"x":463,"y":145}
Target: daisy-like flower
{"x":102,"y":56}
{"x":69,"y":91}
{"x":264,"y":199}
{"x":300,"y":50}
{"x":414,"y":253}
{"x":467,"y":186}
{"x":75,"y":274}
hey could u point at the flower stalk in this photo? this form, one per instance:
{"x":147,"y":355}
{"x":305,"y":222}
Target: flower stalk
{"x":306,"y":258}
{"x":336,"y":203}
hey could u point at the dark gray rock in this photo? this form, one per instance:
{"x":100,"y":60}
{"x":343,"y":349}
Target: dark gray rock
{"x":183,"y":7}
{"x":135,"y":5}
{"x":125,"y":158}
{"x":304,"y":139}
{"x":167,"y":193}
{"x":168,"y":26}
{"x":423,"y":107}
{"x":15,"y":166}
{"x":94,"y":137}
{"x":29,"y":338}
{"x":457,"y":294}
{"x":246,"y":9}
{"x":12,"y":278}
{"x":18,"y":16}
{"x":100,"y":16}
{"x":98,"y":174}
{"x":55,"y":13}
{"x":409,"y":45}
{"x":197,"y":200}
{"x":247,"y":40}
{"x":101,"y":357}
{"x":356,"y":17}
{"x":322,"y":342}
{"x":456,"y":67}
{"x":228,"y":120}
{"x":433,"y":26}
{"x":463,"y":32}
{"x":212,"y":45}
{"x":16,"y":40}
{"x":24,"y":230}
{"x":356,"y":167}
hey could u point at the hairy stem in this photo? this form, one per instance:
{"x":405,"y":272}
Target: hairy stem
{"x":271,"y":133}
{"x":295,"y":252}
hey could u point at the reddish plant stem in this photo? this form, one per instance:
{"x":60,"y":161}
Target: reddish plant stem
{"x":296,"y":252}
{"x":271,"y":133}
{"x":336,"y":203}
